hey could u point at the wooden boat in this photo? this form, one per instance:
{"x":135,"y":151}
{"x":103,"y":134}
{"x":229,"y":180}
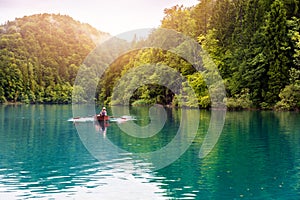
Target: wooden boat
{"x":102,"y":118}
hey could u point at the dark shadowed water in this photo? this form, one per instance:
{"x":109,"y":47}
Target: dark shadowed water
{"x":42,"y":156}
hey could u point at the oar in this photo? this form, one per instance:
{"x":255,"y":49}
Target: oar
{"x":118,"y":117}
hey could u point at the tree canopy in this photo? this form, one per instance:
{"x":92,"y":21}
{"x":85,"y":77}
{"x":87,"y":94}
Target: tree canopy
{"x":254,"y":43}
{"x":40,"y":56}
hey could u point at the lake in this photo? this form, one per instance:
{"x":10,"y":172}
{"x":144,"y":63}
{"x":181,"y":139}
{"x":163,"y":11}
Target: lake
{"x":43,"y":155}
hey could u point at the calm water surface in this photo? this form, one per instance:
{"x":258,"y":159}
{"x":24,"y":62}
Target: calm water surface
{"x":43,"y":156}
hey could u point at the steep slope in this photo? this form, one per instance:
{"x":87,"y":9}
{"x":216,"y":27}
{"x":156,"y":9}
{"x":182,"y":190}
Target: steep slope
{"x":40,"y":56}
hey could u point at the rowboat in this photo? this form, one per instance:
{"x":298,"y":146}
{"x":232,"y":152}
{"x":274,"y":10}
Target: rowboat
{"x":102,"y":118}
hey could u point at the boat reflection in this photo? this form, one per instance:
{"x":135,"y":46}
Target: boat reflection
{"x":101,"y":124}
{"x":101,"y":127}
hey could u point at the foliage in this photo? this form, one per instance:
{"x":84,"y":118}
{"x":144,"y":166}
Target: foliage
{"x":179,"y":19}
{"x":132,"y":74}
{"x":290,"y":98}
{"x":255,"y":45}
{"x":40,"y":56}
{"x":239,"y":101}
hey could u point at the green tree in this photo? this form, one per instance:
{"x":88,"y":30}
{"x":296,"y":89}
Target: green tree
{"x":202,"y":14}
{"x":180,"y":19}
{"x":277,"y":51}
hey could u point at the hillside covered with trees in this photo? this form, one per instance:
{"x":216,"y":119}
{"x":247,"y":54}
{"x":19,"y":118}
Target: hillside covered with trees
{"x":40,"y":56}
{"x":255,"y":45}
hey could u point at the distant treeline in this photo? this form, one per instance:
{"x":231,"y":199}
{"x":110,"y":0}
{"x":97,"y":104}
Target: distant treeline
{"x":254,"y":43}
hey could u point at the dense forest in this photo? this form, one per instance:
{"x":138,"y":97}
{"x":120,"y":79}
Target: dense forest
{"x":254,"y":43}
{"x":40,"y":56}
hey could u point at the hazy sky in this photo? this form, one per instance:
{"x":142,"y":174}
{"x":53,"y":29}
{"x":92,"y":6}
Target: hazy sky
{"x":112,"y":16}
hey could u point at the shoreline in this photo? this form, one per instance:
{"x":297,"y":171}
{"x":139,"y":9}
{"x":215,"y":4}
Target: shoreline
{"x":165,"y":106}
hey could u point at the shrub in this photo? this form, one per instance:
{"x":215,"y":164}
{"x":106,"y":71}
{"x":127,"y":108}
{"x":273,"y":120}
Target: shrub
{"x":239,"y":101}
{"x":290,"y":98}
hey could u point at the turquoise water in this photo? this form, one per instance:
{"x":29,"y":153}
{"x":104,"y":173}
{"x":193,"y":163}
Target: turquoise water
{"x":43,"y":156}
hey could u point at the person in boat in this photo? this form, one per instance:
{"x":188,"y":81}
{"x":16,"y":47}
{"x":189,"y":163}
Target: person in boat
{"x":103,"y":112}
